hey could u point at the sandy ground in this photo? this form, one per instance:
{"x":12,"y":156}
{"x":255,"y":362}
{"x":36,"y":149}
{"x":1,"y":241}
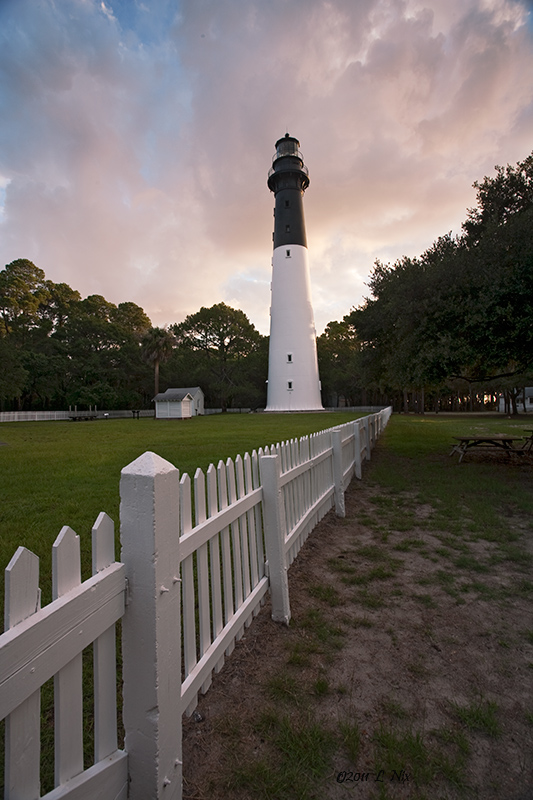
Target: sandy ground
{"x":412,"y":650}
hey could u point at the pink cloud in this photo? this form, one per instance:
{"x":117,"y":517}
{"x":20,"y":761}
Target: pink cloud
{"x":135,"y":145}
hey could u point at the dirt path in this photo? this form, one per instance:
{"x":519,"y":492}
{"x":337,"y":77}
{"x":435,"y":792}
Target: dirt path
{"x":406,"y":672}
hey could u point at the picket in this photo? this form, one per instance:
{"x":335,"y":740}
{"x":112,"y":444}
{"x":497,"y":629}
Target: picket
{"x":23,"y":725}
{"x":68,"y":692}
{"x":243,"y":533}
{"x":215,"y":562}
{"x":188,"y":635}
{"x":104,"y":650}
{"x":225,"y":546}
{"x":235,"y":545}
{"x":251,"y":527}
{"x":202,"y":566}
{"x":258,"y":519}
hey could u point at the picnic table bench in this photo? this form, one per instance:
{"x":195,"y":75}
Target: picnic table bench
{"x":495,"y":441}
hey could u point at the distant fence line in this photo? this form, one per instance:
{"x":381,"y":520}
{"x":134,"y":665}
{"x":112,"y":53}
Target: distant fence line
{"x":197,"y":560}
{"x":52,"y":416}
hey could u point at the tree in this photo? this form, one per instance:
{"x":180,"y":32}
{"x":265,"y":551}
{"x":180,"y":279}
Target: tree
{"x":500,"y":198}
{"x":58,"y":303}
{"x":463,"y":311}
{"x":22,"y":290}
{"x":223,"y":343}
{"x":132,"y":318}
{"x":61,"y":350}
{"x":157,"y":346}
{"x":338,"y":348}
{"x":12,"y":373}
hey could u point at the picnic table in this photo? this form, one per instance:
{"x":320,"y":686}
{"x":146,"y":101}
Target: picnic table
{"x":528,"y":442}
{"x":494,"y":441}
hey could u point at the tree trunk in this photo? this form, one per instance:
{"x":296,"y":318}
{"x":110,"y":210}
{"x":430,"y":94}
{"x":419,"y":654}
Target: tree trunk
{"x":156,"y":377}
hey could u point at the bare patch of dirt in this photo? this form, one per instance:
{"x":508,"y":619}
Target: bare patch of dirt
{"x":409,"y":659}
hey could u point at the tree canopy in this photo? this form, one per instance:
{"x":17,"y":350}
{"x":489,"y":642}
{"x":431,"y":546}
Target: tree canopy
{"x":59,"y":350}
{"x":224,"y":352}
{"x":462,"y":311}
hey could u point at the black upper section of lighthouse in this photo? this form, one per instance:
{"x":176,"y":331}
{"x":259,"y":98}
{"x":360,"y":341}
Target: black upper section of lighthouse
{"x":288,"y":179}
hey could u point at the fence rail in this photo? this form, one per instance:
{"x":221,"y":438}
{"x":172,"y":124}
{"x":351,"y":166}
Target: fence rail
{"x":52,"y":416}
{"x":58,"y":416}
{"x":197,"y":560}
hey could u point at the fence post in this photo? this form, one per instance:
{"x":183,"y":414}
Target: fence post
{"x":338,"y":472}
{"x":149,"y":533}
{"x":357,"y":447}
{"x":274,"y":523}
{"x":367,"y":437}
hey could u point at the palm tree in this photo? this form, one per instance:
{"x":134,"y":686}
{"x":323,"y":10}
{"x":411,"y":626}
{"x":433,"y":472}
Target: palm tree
{"x":157,"y":346}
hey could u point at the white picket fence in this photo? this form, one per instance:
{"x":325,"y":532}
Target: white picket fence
{"x":58,"y":416}
{"x":196,"y":562}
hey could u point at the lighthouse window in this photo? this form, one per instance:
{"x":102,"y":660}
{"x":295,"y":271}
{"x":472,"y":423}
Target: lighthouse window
{"x":288,"y":253}
{"x":287,"y":228}
{"x":287,"y":204}
{"x":289,"y":357}
{"x":289,"y":385}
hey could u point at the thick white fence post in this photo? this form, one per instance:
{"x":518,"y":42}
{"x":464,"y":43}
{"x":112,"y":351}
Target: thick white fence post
{"x":357,"y":449}
{"x":366,"y":423}
{"x":338,"y":473}
{"x":149,"y":532}
{"x":274,"y":524}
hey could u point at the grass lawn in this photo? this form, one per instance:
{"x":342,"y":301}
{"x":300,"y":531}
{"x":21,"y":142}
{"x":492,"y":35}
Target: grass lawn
{"x":406,"y":669}
{"x":64,"y":473}
{"x":423,"y":507}
{"x":473,"y":494}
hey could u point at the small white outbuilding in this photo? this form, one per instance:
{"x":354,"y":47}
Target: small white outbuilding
{"x":179,"y":403}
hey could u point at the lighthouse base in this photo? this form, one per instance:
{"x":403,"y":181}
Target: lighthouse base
{"x":293,"y":410}
{"x":293,"y":383}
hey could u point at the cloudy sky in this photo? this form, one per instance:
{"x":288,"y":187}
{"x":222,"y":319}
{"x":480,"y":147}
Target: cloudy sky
{"x":136,"y":137}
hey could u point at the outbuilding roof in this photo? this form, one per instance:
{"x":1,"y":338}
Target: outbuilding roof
{"x":176,"y":395}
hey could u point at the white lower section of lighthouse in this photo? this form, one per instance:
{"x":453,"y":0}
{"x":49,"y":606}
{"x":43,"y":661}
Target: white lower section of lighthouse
{"x":293,"y":382}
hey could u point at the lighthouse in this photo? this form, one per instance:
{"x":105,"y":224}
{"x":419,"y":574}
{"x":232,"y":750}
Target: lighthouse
{"x":293,"y":383}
